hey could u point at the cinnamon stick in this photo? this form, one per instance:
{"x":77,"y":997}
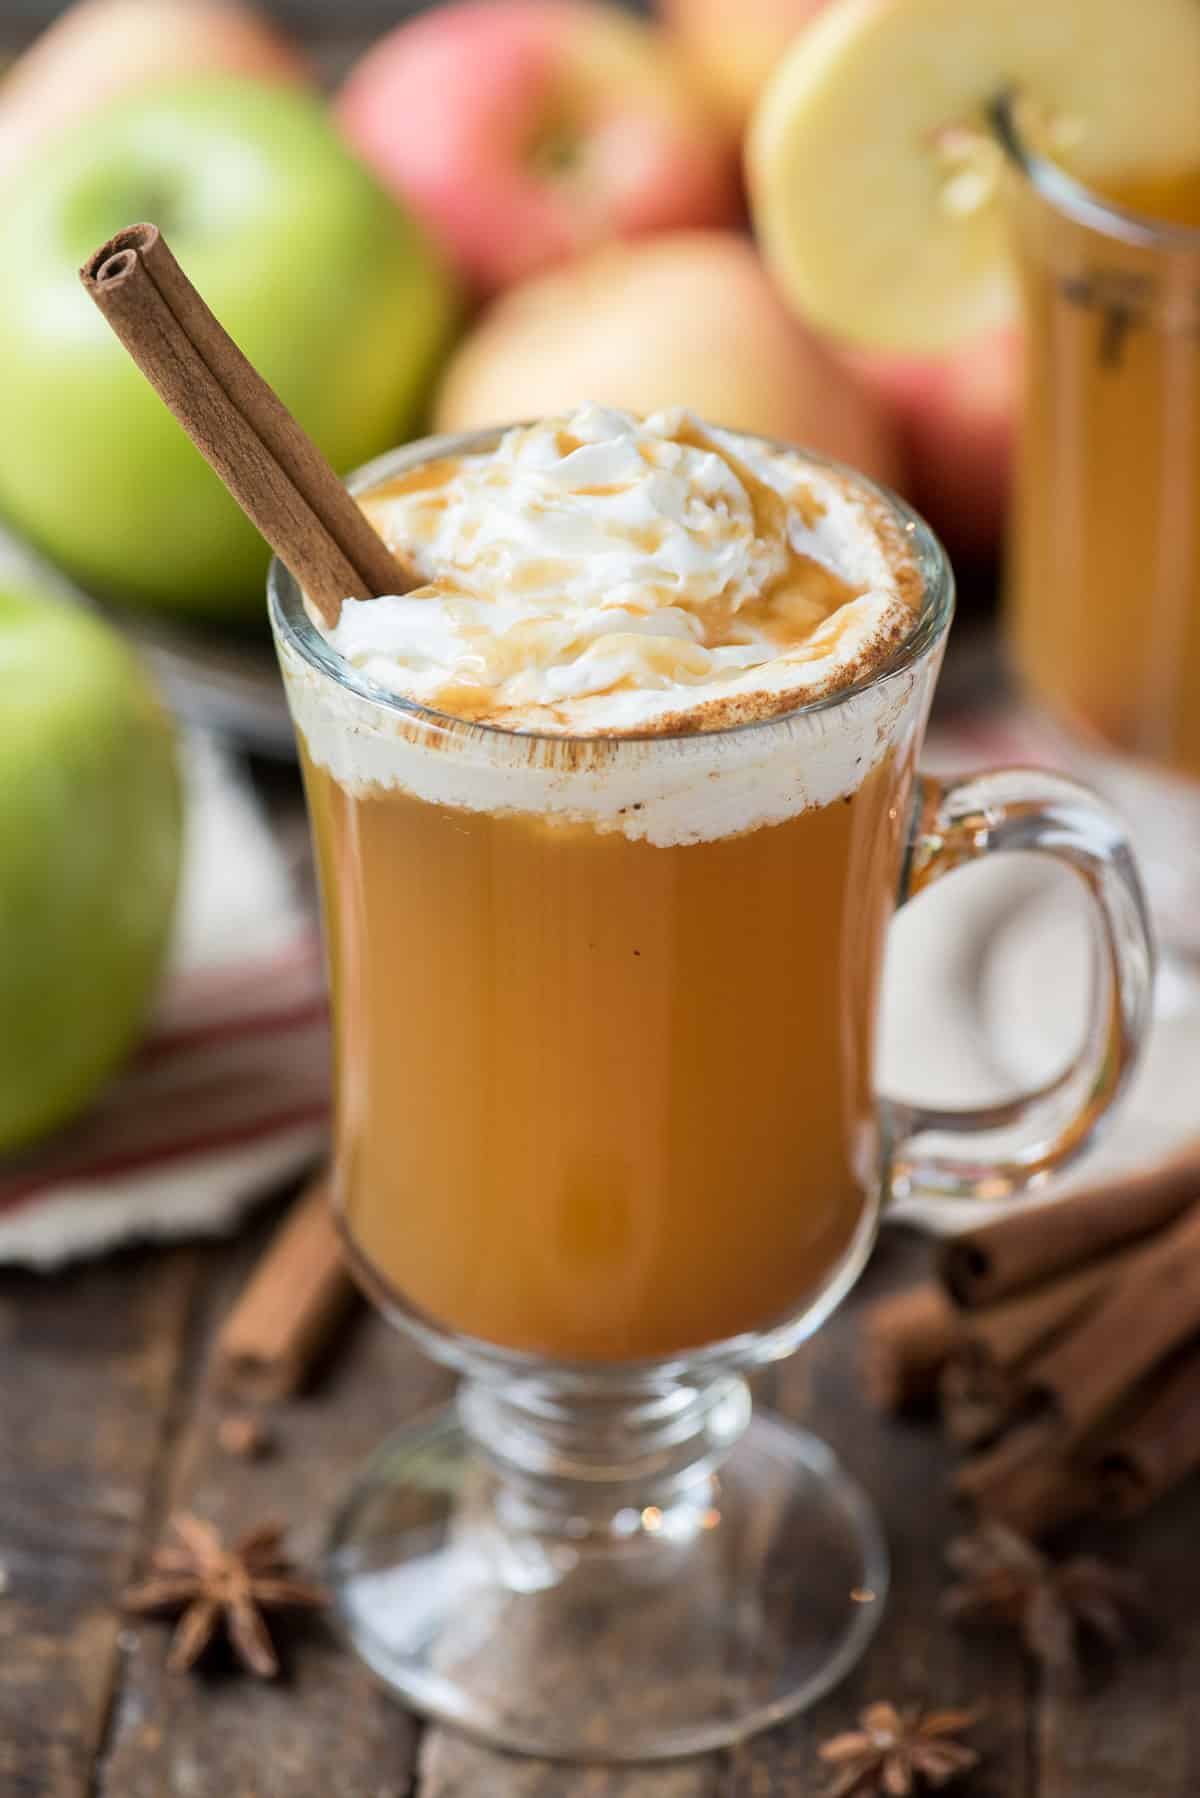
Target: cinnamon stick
{"x":1031,"y":1244}
{"x":977,"y":1399}
{"x":907,"y":1338}
{"x":287,"y":1312}
{"x":914,"y":1339}
{"x":1155,"y":1447}
{"x":1007,"y":1333}
{"x":1150,"y":1311}
{"x":985,"y":1383}
{"x":1026,"y":1480}
{"x":238,"y":423}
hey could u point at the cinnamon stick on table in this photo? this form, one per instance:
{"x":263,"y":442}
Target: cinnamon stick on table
{"x":1156,"y":1446}
{"x":239,"y":424}
{"x":1026,"y":1480}
{"x":1005,"y":1334}
{"x":985,"y":1384}
{"x":907,"y":1339}
{"x":297,"y":1294}
{"x":1034,"y":1242}
{"x":913,"y":1340}
{"x":1151,"y":1311}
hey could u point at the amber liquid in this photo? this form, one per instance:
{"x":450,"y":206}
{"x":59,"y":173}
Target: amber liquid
{"x":599,"y":1099}
{"x":1106,"y":601}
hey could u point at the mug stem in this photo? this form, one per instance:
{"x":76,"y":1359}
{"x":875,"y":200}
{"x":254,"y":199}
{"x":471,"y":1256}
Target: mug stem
{"x":612,"y":1474}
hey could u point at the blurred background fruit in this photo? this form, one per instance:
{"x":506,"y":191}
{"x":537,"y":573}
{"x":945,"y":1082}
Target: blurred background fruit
{"x":90,"y":835}
{"x":329,"y":289}
{"x":574,"y":166}
{"x":734,"y":45}
{"x":955,"y":415}
{"x":524,"y":131}
{"x":688,"y":319}
{"x":100,"y":48}
{"x":523,"y":136}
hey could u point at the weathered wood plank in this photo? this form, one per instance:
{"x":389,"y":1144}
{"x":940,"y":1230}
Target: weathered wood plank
{"x":1136,"y":1733}
{"x":324,"y":1727}
{"x":451,"y":1767}
{"x":100,"y":1369}
{"x":88,"y":1364}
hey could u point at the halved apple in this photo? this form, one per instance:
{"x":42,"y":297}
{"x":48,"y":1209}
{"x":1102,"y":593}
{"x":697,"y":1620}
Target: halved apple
{"x":872,"y":174}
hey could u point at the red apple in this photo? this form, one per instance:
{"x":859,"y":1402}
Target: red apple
{"x":733,"y":45}
{"x":525,"y":131}
{"x":100,"y":48}
{"x":955,"y":416}
{"x":687,"y":319}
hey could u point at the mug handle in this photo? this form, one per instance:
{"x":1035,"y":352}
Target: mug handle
{"x":1030,"y":810}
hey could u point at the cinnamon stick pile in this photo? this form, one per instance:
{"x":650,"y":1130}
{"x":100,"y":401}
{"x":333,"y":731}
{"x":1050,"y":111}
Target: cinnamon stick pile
{"x":1062,"y":1343}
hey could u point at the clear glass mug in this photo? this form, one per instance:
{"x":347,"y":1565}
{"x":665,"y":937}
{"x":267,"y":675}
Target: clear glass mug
{"x":1104,"y":613}
{"x":607,"y":1139}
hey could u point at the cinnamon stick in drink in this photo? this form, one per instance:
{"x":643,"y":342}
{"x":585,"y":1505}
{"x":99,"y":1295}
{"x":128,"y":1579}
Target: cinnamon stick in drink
{"x":240,"y":426}
{"x":296,"y":1296}
{"x":1036,"y":1242}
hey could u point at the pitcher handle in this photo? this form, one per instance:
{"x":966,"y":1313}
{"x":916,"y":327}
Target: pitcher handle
{"x":1031,"y":810}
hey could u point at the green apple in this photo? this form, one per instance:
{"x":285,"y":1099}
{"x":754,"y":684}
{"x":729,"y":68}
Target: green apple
{"x":90,"y":831}
{"x":329,"y":289}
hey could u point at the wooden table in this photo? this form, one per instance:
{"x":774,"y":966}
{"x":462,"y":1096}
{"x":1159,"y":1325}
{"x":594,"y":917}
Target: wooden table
{"x":107,"y":1423}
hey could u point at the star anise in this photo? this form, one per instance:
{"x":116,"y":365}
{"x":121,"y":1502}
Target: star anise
{"x":894,"y":1753}
{"x":208,"y":1585}
{"x":1058,"y":1607}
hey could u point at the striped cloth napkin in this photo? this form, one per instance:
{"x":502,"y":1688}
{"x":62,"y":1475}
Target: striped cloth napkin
{"x":228,"y":1096}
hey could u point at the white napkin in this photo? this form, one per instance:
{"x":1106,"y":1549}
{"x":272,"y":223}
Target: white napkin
{"x":986,"y":994}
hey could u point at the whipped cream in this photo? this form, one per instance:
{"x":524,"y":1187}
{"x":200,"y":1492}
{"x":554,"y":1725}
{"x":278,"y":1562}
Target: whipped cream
{"x":604,"y":575}
{"x":612,"y":594}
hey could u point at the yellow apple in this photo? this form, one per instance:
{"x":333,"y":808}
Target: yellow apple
{"x":875,"y":179}
{"x":687,"y":319}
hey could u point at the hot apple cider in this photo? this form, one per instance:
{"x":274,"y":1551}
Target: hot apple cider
{"x":1106,"y":602}
{"x":604,"y":959}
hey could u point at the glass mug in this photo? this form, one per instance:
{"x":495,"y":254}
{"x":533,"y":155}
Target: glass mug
{"x":1105,"y":578}
{"x":607,"y":1139}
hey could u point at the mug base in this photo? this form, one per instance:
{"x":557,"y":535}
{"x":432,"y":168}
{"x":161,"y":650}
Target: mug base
{"x":669,"y":1629}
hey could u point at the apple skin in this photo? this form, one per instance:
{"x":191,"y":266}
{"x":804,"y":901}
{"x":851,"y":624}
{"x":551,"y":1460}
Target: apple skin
{"x":687,"y":319}
{"x":337,"y":299}
{"x":956,"y":418}
{"x":525,"y":131}
{"x":733,"y":45}
{"x":97,"y":49}
{"x":90,"y":835}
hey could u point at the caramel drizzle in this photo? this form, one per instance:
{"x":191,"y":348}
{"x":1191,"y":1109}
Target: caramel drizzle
{"x":800,"y":612}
